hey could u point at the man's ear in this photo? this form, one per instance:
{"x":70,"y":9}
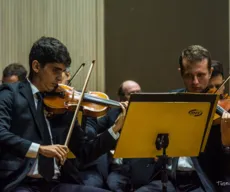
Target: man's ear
{"x":210,"y":74}
{"x":36,"y":66}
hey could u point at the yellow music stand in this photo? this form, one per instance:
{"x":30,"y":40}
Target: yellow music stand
{"x":166,"y":125}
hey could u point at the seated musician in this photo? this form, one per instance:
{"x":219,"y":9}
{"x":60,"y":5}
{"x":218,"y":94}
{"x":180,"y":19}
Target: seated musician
{"x":189,"y":174}
{"x":185,"y":173}
{"x":216,"y":162}
{"x":118,"y":178}
{"x":14,"y":72}
{"x":30,"y":155}
{"x":217,"y":78}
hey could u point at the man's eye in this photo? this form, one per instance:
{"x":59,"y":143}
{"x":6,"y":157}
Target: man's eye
{"x":56,"y":70}
{"x":201,"y":75}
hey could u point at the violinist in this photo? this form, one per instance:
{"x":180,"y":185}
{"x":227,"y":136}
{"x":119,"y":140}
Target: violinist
{"x":31,"y":158}
{"x":185,"y":173}
{"x":217,"y":78}
{"x":190,"y":173}
{"x":222,"y":156}
{"x":217,"y":85}
{"x":119,"y":176}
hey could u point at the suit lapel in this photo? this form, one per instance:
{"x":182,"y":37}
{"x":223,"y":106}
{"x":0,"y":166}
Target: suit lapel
{"x":26,"y":91}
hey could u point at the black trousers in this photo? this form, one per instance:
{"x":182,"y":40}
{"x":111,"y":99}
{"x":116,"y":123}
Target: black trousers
{"x":118,"y":182}
{"x":92,"y":178}
{"x":156,"y":186}
{"x":40,"y":185}
{"x":185,"y":182}
{"x":188,"y":181}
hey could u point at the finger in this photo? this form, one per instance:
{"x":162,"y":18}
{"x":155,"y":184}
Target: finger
{"x":63,"y":148}
{"x":61,"y":151}
{"x":119,"y":118}
{"x":123,"y":109}
{"x":225,"y":120}
{"x":63,"y":162}
{"x":125,"y":104}
{"x":58,"y":156}
{"x":227,"y":115}
{"x":223,"y":116}
{"x":66,"y":149}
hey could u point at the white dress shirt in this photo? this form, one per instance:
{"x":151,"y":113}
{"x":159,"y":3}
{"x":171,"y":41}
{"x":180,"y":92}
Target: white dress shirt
{"x":33,"y":150}
{"x":184,"y":164}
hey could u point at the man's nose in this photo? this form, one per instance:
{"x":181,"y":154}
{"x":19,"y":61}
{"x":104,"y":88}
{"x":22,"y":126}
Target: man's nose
{"x":195,"y":80}
{"x":59,"y":78}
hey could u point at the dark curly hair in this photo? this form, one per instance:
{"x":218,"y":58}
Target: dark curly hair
{"x":49,"y":50}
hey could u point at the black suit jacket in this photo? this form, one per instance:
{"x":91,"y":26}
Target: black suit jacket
{"x":108,"y":120}
{"x":19,"y":128}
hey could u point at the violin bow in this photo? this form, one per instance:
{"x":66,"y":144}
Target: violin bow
{"x":79,"y":104}
{"x":76,"y":73}
{"x":222,"y":84}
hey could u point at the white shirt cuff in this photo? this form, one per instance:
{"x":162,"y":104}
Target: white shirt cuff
{"x":114,"y":135}
{"x":33,"y":150}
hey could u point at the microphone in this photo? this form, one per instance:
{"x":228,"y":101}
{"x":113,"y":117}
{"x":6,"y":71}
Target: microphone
{"x":78,"y":70}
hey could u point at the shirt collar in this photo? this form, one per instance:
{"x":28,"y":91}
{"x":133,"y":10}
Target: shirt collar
{"x":34,"y":89}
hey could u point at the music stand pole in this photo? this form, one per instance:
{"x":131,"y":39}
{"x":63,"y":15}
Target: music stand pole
{"x":162,"y":142}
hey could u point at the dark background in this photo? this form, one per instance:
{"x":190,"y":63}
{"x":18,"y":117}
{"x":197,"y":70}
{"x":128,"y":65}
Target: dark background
{"x":144,"y":38}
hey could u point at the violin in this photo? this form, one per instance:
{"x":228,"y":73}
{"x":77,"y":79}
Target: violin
{"x":222,"y":106}
{"x":65,"y":98}
{"x":225,"y":103}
